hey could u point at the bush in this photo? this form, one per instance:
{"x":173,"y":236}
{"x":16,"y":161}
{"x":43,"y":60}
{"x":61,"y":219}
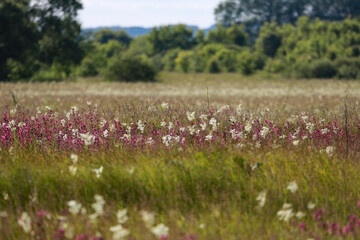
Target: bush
{"x":213,"y":66}
{"x":88,"y":68}
{"x":323,"y":69}
{"x":185,"y":61}
{"x":130,"y":69}
{"x":316,"y":69}
{"x":348,"y":68}
{"x":246,"y":63}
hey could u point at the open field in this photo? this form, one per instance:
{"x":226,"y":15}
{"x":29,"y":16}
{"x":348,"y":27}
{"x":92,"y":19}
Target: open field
{"x":190,"y":157}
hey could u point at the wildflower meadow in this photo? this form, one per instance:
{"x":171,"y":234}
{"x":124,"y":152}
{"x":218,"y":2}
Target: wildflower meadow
{"x":190,"y":157}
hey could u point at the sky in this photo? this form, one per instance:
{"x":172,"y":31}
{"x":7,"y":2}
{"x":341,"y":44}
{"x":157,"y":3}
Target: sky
{"x":147,"y":13}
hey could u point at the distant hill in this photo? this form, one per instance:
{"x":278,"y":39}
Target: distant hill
{"x":139,"y":31}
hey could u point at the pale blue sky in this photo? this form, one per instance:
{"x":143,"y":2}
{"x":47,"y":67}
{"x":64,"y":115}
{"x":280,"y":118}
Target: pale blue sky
{"x":147,"y":13}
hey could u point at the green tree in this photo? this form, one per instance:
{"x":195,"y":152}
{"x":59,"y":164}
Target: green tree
{"x":168,"y":37}
{"x":18,"y":39}
{"x":106,"y":35}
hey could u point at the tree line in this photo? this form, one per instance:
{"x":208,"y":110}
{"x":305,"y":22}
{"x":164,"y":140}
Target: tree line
{"x":42,"y":40}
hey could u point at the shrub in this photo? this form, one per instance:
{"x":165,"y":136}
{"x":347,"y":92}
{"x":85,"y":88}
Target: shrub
{"x":323,"y":69}
{"x":129,"y":69}
{"x":88,"y":68}
{"x":246,"y":63}
{"x":213,"y":66}
{"x":184,"y":61}
{"x":348,"y":68}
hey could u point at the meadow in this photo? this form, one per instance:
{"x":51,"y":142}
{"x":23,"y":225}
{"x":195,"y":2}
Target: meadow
{"x":192,"y":156}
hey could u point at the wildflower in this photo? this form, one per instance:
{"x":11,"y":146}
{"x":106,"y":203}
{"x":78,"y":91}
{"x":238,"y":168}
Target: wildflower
{"x":25,"y":222}
{"x":213,"y":123}
{"x":148,"y":218}
{"x":88,"y":138}
{"x":5,"y":196}
{"x":203,"y":117}
{"x":74,"y":207}
{"x":286,"y":213}
{"x":232,"y":120}
{"x":311,"y":205}
{"x":130,"y":170}
{"x":106,"y":133}
{"x":248,"y":127}
{"x":300,"y":214}
{"x":98,"y":206}
{"x":358,"y":204}
{"x":202,"y":226}
{"x":292,"y":187}
{"x":261,"y":198}
{"x":119,"y":233}
{"x":160,"y":230}
{"x":296,"y":142}
{"x":302,"y":227}
{"x":171,"y":125}
{"x":141,"y":126}
{"x":88,"y":103}
{"x":74,"y":158}
{"x":72,"y":170}
{"x":98,"y":171}
{"x":150,"y":141}
{"x":190,"y":116}
{"x":121,"y":216}
{"x":203,"y":126}
{"x":3,"y":214}
{"x":310,"y":127}
{"x":329,"y":151}
{"x":191,"y":129}
{"x":163,"y":124}
{"x":264,"y":131}
{"x":318,"y":214}
{"x":208,"y":137}
{"x":165,"y":105}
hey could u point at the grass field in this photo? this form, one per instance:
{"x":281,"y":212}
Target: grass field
{"x":190,"y":157}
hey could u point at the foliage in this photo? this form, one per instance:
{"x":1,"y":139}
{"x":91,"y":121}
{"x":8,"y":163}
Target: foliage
{"x":168,"y":37}
{"x":105,"y":35}
{"x":129,"y":69}
{"x":233,"y":35}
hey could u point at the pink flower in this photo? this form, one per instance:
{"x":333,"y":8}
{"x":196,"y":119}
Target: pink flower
{"x":81,"y":237}
{"x":302,"y":227}
{"x":318,"y":214}
{"x":358,"y":204}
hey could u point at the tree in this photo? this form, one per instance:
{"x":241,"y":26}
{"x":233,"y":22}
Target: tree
{"x":18,"y":36}
{"x":59,"y":32}
{"x":105,"y":35}
{"x":169,"y":37}
{"x":231,"y":35}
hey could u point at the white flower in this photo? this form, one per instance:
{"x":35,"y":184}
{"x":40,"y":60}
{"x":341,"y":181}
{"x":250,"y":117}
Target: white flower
{"x":191,"y":129}
{"x":311,"y":205}
{"x":165,"y":105}
{"x":261,"y":198}
{"x":213,"y":123}
{"x":203,"y":126}
{"x":130,"y":170}
{"x":300,"y":214}
{"x":208,"y":137}
{"x":171,"y":125}
{"x":310,"y":127}
{"x":74,"y":158}
{"x":98,"y":206}
{"x":163,"y":124}
{"x":141,"y":126}
{"x":293,"y":187}
{"x":3,"y":214}
{"x":25,"y":222}
{"x":106,"y":133}
{"x":88,"y":103}
{"x":329,"y":151}
{"x":296,"y":142}
{"x":74,"y":207}
{"x":232,"y":120}
{"x":98,"y":171}
{"x":190,"y":116}
{"x":72,"y":170}
{"x":88,"y":138}
{"x":121,"y":216}
{"x":264,"y":131}
{"x":248,"y":127}
{"x":148,"y":218}
{"x":285,"y":214}
{"x":203,"y":117}
{"x":160,"y":230}
{"x":119,"y":233}
{"x":150,"y":141}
